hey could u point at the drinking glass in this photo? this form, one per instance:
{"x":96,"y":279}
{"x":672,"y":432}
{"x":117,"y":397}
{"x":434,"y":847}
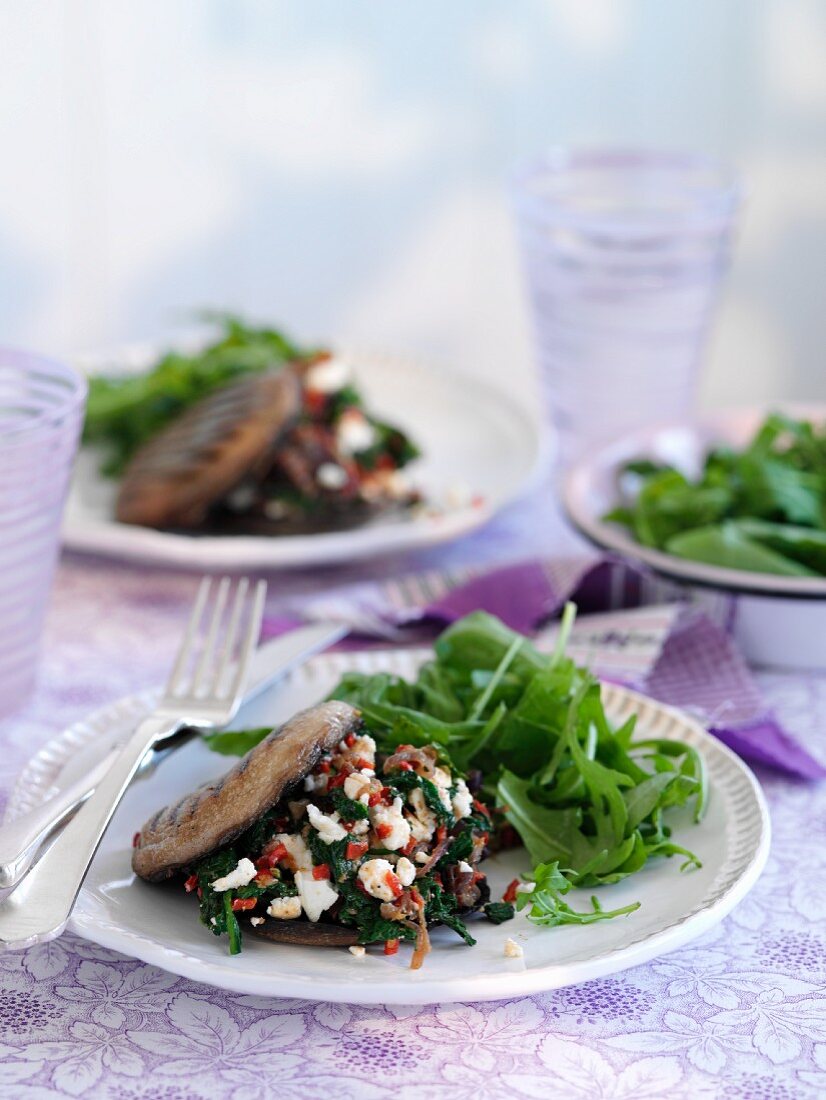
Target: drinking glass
{"x":623,"y":253}
{"x":41,"y":414}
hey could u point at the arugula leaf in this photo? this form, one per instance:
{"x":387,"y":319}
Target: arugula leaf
{"x":236,"y":742}
{"x":545,"y":898}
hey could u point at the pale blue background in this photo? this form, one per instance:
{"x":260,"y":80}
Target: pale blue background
{"x":339,"y":164}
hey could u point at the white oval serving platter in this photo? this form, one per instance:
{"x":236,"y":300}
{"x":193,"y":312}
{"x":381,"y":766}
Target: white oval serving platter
{"x":160,"y":924}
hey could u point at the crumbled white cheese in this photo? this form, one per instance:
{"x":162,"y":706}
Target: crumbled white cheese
{"x":421,"y":857}
{"x":354,"y":432}
{"x":362,"y":748}
{"x":392,"y":817}
{"x":255,"y":921}
{"x":285,"y":908}
{"x":328,"y":827}
{"x":462,"y":800}
{"x":406,"y":871}
{"x":299,"y":855}
{"x":243,"y":874}
{"x":356,"y":783}
{"x":212,"y":920}
{"x":364,"y":798}
{"x":360,"y":828}
{"x":331,"y":476}
{"x":513,"y":950}
{"x":423,"y":821}
{"x":317,"y":894}
{"x":443,"y":781}
{"x":465,"y":868}
{"x":357,"y":950}
{"x":373,"y":876}
{"x":314,"y":783}
{"x":329,"y":376}
{"x":525,"y":887}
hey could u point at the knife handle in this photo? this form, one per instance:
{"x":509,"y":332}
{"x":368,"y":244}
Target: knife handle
{"x":38,"y":908}
{"x":20,"y":839}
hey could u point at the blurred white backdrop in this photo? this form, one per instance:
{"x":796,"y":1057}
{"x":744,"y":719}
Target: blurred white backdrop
{"x":340,"y":166}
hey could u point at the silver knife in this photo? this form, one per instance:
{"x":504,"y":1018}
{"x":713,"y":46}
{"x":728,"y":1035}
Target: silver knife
{"x":21,"y":839}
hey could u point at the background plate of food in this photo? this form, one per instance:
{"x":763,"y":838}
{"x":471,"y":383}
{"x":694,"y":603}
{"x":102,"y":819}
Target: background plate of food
{"x":385,"y":847}
{"x":250,"y":452}
{"x":734,"y":502}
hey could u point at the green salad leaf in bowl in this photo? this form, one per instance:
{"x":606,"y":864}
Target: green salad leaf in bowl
{"x":761,"y":508}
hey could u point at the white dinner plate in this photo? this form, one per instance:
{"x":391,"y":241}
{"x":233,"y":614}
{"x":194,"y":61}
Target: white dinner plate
{"x":480,"y":451}
{"x":591,"y":490}
{"x":160,"y":924}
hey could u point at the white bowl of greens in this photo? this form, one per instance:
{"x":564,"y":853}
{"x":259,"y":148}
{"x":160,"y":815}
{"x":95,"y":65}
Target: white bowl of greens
{"x":734,"y":502}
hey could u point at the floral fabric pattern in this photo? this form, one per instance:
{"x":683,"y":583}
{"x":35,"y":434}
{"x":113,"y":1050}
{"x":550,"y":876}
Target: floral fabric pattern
{"x":740,"y":1013}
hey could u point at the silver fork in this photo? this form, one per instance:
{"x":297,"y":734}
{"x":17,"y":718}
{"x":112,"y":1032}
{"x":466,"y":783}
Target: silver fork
{"x":39,"y":907}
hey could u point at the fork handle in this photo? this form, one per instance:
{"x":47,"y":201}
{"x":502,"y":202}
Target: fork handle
{"x":39,"y":907}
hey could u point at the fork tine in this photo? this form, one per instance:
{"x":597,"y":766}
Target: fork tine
{"x":204,"y":665}
{"x":185,"y":650}
{"x":231,"y":632}
{"x":253,"y":629}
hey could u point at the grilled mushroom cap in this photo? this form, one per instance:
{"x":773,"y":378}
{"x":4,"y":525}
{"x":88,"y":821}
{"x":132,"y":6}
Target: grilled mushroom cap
{"x":305,"y":933}
{"x":217,"y":812}
{"x":184,"y":470}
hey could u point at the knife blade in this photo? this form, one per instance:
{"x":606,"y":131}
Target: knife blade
{"x":22,"y":838}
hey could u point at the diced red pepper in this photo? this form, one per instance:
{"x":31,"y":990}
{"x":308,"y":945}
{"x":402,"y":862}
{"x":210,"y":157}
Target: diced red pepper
{"x":391,"y":947}
{"x":350,"y":739}
{"x":387,"y":795}
{"x":383,"y":830}
{"x":481,"y":808}
{"x":338,"y":780}
{"x":321,"y":870}
{"x":356,"y":849}
{"x":404,"y":766}
{"x":315,"y":402}
{"x":416,"y":897}
{"x":392,"y":880}
{"x":410,"y":847}
{"x":362,"y":763}
{"x":191,"y":883}
{"x":273,"y":854}
{"x":136,"y":839}
{"x":441,"y":833}
{"x":510,"y":894}
{"x":324,"y":766}
{"x":239,"y":904}
{"x":374,"y":799}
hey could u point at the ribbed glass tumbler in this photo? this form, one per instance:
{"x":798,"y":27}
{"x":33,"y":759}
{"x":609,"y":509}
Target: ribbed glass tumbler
{"x":41,"y":413}
{"x":623,"y":254}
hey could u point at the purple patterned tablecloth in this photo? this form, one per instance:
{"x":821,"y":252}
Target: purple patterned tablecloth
{"x":740,"y":1013}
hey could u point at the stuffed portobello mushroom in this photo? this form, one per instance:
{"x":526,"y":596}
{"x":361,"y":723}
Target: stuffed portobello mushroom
{"x":313,"y":838}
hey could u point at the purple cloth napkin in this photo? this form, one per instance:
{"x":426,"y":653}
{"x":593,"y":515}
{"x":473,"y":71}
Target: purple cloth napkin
{"x":697,"y":667}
